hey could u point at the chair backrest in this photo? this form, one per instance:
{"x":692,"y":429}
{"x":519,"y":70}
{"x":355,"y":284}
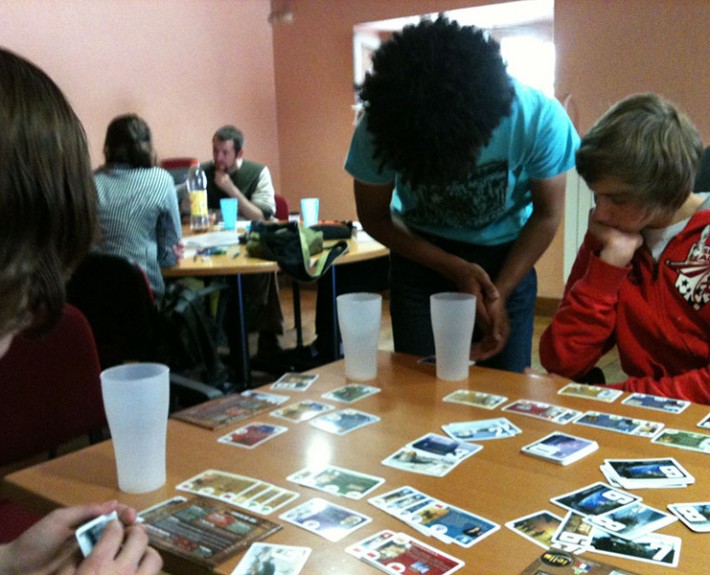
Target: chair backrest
{"x":115,"y":297}
{"x":282,"y":209}
{"x":702,"y":180}
{"x":50,"y":389}
{"x":178,"y":167}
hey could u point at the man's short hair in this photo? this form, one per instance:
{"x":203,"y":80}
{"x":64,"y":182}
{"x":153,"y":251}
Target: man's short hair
{"x":647,"y":143}
{"x":436,"y":93}
{"x":229,"y":132}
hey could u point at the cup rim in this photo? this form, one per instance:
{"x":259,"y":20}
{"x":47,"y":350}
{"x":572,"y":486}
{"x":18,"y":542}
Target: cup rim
{"x":452,"y":296}
{"x":119,"y":372}
{"x":359,"y":296}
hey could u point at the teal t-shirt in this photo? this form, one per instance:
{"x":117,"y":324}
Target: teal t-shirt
{"x":536,"y":141}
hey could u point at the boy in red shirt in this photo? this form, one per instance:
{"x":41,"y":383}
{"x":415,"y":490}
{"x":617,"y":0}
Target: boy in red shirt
{"x":641,"y":280}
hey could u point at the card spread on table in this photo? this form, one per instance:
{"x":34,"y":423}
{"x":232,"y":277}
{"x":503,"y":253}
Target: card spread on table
{"x":225,"y":410}
{"x":554,"y":562}
{"x":294,"y":381}
{"x":275,"y":559}
{"x":653,"y":548}
{"x":684,"y":440}
{"x":337,"y":481}
{"x":632,"y":521}
{"x":330,"y":521}
{"x":595,"y":499}
{"x":399,"y":553}
{"x":561,"y":448}
{"x":595,"y":392}
{"x":252,"y":435}
{"x":476,"y":398}
{"x":351,"y":392}
{"x":667,"y":404}
{"x":344,"y":421}
{"x":619,"y":423}
{"x":541,"y":410}
{"x":239,"y":490}
{"x":646,"y":473}
{"x":431,"y":454}
{"x":483,"y":430}
{"x":696,"y":516}
{"x":574,"y":534}
{"x":302,"y":411}
{"x":203,"y":530}
{"x":704,"y":423}
{"x":537,"y":527}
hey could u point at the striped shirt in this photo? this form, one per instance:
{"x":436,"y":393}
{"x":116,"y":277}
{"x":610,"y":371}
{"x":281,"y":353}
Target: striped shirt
{"x":139,"y":216}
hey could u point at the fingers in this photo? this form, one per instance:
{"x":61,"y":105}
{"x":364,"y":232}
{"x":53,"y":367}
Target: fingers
{"x":122,"y":550}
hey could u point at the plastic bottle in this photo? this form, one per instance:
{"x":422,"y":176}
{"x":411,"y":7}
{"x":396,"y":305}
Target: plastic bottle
{"x":197,"y":190}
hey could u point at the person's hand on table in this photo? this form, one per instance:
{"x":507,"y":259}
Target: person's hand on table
{"x":50,"y":546}
{"x":179,"y":250}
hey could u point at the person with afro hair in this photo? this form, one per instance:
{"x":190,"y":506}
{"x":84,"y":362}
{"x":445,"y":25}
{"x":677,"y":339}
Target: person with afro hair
{"x":459,"y":170}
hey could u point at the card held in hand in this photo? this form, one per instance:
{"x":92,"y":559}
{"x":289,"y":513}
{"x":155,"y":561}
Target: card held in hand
{"x":204,"y":531}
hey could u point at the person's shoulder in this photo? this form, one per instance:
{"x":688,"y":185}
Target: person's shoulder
{"x":251,"y":164}
{"x":529,"y":99}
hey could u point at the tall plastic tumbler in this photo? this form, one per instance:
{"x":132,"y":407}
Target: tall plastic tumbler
{"x":359,"y":318}
{"x":452,"y":318}
{"x":136,"y":398}
{"x":309,"y":211}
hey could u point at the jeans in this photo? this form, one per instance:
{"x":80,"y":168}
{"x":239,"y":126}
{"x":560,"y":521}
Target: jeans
{"x":412,"y":284}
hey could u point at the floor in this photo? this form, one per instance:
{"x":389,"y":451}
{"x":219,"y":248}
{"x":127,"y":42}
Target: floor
{"x":609,"y":363}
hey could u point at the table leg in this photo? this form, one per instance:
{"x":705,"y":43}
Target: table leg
{"x":238,"y":340}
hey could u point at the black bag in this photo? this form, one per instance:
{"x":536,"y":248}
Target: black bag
{"x":292,"y":246}
{"x":189,"y":347}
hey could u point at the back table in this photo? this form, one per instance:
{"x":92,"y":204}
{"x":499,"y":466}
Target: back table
{"x":498,"y":483}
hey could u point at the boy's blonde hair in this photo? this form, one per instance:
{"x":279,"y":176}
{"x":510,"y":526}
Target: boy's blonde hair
{"x":646,"y":142}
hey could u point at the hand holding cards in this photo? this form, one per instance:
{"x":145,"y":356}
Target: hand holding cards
{"x":89,"y":533}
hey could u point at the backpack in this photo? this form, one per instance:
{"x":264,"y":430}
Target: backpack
{"x":188,"y":343}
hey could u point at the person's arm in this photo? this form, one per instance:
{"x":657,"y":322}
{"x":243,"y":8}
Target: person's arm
{"x":168,"y":230}
{"x":373,"y":210}
{"x":49,"y":546}
{"x":262,"y":201}
{"x":693,"y":385}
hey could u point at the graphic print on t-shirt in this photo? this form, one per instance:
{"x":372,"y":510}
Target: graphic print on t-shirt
{"x":693,"y":281}
{"x":472,"y":204}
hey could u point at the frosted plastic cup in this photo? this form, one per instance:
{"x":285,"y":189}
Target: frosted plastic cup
{"x":452,"y":318}
{"x":229,"y":208}
{"x":359,"y":318}
{"x":309,"y":211}
{"x":136,"y":400}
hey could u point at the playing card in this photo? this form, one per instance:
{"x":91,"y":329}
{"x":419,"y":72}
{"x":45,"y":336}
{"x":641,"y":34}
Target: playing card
{"x":89,"y":533}
{"x":388,"y":499}
{"x":537,"y":527}
{"x":653,"y":548}
{"x":431,"y":455}
{"x":595,"y":499}
{"x":640,"y":473}
{"x":302,"y":411}
{"x":294,"y":381}
{"x":451,"y":524}
{"x":619,"y":423}
{"x":202,"y":530}
{"x":695,"y":515}
{"x":273,"y":398}
{"x":275,"y":559}
{"x":574,"y":534}
{"x":541,"y":410}
{"x":561,"y":448}
{"x":705,"y":422}
{"x":476,"y":398}
{"x":351,"y":392}
{"x":684,"y":440}
{"x":632,"y":521}
{"x":225,"y":410}
{"x":252,"y":435}
{"x":556,"y":562}
{"x":596,"y":392}
{"x":326,"y":519}
{"x":337,"y":481}
{"x":343,"y":421}
{"x":498,"y":428}
{"x":667,"y":404}
{"x":399,"y":553}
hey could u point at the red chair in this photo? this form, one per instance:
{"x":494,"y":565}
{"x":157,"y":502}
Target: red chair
{"x":282,"y":210}
{"x":50,"y":394}
{"x":178,"y":167}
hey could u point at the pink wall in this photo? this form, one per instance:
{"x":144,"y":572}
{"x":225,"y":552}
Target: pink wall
{"x":606,"y":50}
{"x":186,"y":66}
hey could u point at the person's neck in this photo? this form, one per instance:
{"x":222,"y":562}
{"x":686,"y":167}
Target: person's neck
{"x":685,"y":212}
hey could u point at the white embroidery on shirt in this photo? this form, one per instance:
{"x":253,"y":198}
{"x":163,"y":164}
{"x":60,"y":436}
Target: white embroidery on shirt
{"x":693,"y":281}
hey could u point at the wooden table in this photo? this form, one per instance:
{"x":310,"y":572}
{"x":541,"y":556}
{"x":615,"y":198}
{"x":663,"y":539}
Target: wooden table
{"x":234,"y":267}
{"x":498,"y":483}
